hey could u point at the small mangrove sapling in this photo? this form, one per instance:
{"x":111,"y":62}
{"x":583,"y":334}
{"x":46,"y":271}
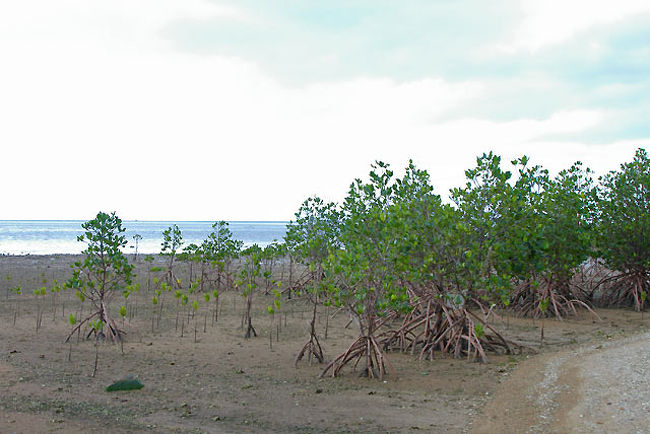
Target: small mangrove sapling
{"x":103,"y":272}
{"x":310,"y":239}
{"x":136,"y":238}
{"x":248,"y":283}
{"x":172,"y":242}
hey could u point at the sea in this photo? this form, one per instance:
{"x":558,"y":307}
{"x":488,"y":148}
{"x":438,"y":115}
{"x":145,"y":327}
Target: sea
{"x":45,"y":237}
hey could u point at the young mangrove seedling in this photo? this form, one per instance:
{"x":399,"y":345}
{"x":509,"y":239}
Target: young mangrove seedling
{"x":103,"y":272}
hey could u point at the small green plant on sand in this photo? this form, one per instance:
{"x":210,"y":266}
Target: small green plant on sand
{"x":136,"y":239}
{"x":247,"y":283}
{"x":171,"y":245}
{"x":18,"y":291}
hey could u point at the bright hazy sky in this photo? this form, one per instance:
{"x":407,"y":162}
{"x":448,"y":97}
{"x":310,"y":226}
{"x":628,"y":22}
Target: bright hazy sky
{"x":240,"y":110}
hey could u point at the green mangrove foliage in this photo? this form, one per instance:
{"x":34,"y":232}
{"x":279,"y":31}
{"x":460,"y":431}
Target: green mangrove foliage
{"x":530,"y":234}
{"x":566,"y":220}
{"x":219,"y":250}
{"x":247,"y":283}
{"x":623,"y":239}
{"x":271,"y":253}
{"x":364,"y":269}
{"x":172,"y":242}
{"x":401,"y":255}
{"x":442,"y":271}
{"x":311,"y":238}
{"x":103,"y":272}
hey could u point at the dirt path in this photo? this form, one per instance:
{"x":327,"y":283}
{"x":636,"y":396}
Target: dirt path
{"x":595,"y":388}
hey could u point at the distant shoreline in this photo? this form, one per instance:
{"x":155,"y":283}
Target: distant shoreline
{"x":43,"y":237}
{"x":149,"y":221}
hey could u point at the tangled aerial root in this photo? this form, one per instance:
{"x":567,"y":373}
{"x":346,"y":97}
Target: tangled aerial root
{"x":111,"y":331}
{"x":590,"y":279}
{"x":549,"y":298}
{"x":627,"y":289}
{"x":434,"y":326}
{"x":368,"y":349}
{"x":313,"y":350}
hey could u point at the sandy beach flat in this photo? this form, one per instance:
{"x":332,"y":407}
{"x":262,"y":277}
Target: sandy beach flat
{"x":225,"y":383}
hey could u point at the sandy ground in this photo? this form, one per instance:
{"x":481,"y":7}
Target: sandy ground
{"x":225,"y":383}
{"x":600,"y":387}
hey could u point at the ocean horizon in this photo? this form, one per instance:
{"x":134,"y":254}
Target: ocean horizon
{"x":45,"y":237}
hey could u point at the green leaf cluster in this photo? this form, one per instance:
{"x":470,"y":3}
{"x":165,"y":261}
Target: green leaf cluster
{"x":104,"y":268}
{"x":623,"y":239}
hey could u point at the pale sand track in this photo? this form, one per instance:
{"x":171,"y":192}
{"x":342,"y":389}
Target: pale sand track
{"x":596,"y":388}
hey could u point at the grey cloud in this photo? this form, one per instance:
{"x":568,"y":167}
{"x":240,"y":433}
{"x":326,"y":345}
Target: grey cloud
{"x":298,"y":42}
{"x":301,"y":41}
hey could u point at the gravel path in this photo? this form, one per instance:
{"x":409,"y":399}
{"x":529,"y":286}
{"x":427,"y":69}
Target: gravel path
{"x":614,"y":388}
{"x":596,"y":388}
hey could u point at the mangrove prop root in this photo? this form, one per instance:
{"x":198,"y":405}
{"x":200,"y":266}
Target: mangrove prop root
{"x":299,"y":283}
{"x":111,"y":331}
{"x":312,"y":346}
{"x":563,"y":300}
{"x":366,"y":349}
{"x":250,"y":330}
{"x":313,"y":349}
{"x":433,"y":326}
{"x":626,"y":289}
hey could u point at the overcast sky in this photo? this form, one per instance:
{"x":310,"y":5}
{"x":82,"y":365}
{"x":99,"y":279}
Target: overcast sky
{"x":240,"y":110}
